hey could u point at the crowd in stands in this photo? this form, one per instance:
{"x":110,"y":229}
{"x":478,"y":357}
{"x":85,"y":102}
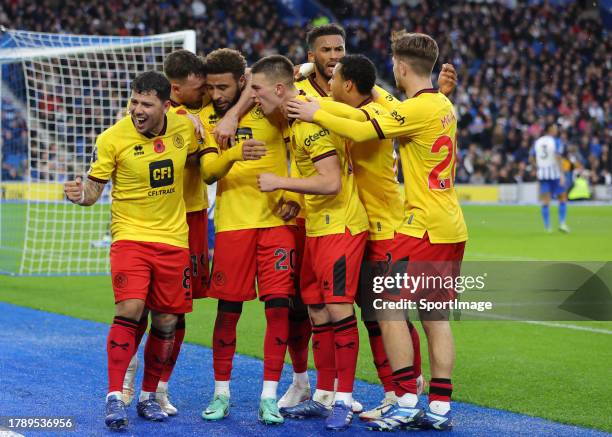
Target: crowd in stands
{"x":521,"y":63}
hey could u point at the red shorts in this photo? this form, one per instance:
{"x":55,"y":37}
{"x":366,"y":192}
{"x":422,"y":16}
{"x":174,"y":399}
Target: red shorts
{"x":157,"y":273}
{"x":418,"y":257}
{"x":198,"y":252}
{"x":377,"y":250}
{"x":240,"y":256}
{"x":330,"y":269}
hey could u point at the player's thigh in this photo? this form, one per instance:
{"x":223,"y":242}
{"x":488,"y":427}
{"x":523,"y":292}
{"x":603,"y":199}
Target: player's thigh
{"x":375,"y":264}
{"x":276,"y":258}
{"x":130,"y":270}
{"x":234,"y":266}
{"x":170,"y":291}
{"x":198,"y":252}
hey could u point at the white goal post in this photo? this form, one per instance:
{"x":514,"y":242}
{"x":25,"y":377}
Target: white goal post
{"x":57,"y":93}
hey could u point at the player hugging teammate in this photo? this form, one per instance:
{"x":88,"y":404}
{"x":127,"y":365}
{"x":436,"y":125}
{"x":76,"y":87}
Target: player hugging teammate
{"x":301,"y":226}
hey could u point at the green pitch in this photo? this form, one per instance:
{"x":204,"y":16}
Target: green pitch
{"x":559,"y":373}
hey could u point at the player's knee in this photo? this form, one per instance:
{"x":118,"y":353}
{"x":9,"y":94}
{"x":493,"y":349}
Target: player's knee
{"x":340,"y":311}
{"x":165,"y":323}
{"x":436,"y":327}
{"x":227,"y":306}
{"x":131,"y":308}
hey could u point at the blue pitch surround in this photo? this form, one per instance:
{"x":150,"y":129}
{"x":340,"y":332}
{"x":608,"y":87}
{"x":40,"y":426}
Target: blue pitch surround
{"x":54,"y":365}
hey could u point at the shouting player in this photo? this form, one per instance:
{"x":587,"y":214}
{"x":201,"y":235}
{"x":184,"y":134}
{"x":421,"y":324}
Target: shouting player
{"x":144,"y":154}
{"x":185,"y":71}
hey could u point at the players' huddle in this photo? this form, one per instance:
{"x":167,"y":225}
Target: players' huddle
{"x":307,"y":191}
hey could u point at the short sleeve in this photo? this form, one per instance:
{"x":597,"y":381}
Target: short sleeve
{"x":318,"y":141}
{"x":103,"y":161}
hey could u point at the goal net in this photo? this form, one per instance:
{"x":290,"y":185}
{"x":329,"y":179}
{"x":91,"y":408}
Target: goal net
{"x":57,"y":93}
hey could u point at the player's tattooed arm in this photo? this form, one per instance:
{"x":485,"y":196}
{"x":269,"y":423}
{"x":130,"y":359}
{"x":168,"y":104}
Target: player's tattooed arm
{"x":84,"y":194}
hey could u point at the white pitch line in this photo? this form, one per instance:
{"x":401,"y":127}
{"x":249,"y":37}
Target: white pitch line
{"x":496,"y":257}
{"x":549,"y":324}
{"x":566,"y":326}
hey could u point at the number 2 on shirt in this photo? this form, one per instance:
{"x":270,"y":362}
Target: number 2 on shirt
{"x":435,"y":183}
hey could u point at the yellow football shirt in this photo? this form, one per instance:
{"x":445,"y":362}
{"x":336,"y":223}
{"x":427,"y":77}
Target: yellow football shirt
{"x":327,"y":214}
{"x":294,"y":173}
{"x":310,"y":87}
{"x":375,"y":165}
{"x":147,"y":175}
{"x":239,"y":203}
{"x":194,"y":189}
{"x":427,"y":127}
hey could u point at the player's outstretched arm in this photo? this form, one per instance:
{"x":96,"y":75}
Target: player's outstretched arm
{"x":327,"y":181}
{"x":214,"y":166}
{"x":84,"y":194}
{"x":384,"y":98}
{"x":304,"y":110}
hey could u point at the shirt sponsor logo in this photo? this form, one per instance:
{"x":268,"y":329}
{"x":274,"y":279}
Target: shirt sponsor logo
{"x":244,"y":133}
{"x":398,"y":117}
{"x":161,"y":173}
{"x":314,"y":137}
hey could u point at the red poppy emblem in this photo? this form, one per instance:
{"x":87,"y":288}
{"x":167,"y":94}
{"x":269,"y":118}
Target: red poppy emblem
{"x":158,"y":146}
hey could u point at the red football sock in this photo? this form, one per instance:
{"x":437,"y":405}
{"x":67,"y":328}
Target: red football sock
{"x":385,"y":374}
{"x":179,"y":335}
{"x":346,"y":341}
{"x":142,"y":328}
{"x":404,"y":381}
{"x":275,"y":341}
{"x":224,"y":338}
{"x":299,"y":336}
{"x":158,"y":350}
{"x":416,"y":347}
{"x":119,"y":349}
{"x":440,"y":389}
{"x":324,"y":354}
